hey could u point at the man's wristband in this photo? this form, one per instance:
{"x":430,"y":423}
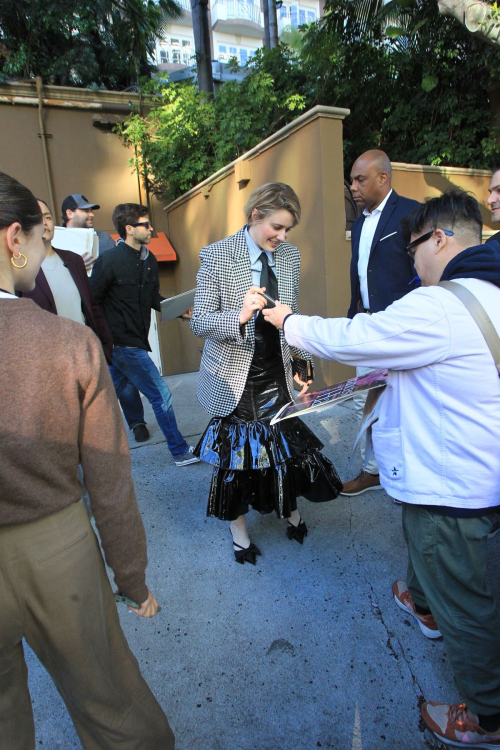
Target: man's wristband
{"x":285,"y":319}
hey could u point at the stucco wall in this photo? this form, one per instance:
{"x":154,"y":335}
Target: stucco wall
{"x":82,"y":159}
{"x":420,"y":182}
{"x":308,"y":156}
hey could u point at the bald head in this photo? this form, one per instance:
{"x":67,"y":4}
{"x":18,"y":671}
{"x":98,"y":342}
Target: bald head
{"x":371,"y":179}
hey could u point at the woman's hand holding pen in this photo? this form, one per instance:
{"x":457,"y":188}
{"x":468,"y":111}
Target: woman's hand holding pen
{"x":252,"y":303}
{"x":276,"y":315}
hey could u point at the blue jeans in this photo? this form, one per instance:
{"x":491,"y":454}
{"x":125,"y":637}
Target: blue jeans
{"x":133,"y":410}
{"x":131,"y":365}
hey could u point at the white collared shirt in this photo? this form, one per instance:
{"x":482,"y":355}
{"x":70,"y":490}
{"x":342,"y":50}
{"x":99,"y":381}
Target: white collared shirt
{"x":255,"y":252}
{"x":255,"y":262}
{"x":365,"y":245}
{"x":7,"y":295}
{"x":63,"y":288}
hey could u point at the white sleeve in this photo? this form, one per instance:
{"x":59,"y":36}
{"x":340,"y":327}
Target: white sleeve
{"x":412,"y":332}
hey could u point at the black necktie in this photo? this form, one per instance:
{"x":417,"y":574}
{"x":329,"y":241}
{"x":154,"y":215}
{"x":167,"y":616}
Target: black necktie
{"x":268,"y":278}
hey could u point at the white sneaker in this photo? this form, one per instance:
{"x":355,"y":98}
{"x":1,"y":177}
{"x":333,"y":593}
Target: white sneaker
{"x":186,"y":458}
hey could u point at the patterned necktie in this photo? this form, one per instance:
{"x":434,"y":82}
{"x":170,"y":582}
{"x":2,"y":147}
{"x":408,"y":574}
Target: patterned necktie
{"x":268,"y":278}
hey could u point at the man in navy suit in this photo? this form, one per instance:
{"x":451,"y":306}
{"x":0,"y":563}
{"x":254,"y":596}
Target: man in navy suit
{"x":381,"y":271}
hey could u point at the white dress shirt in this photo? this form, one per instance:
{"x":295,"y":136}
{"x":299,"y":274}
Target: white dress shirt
{"x":365,"y":245}
{"x":255,"y":262}
{"x":63,"y":288}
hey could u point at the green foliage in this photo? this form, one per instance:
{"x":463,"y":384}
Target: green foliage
{"x":422,"y":96}
{"x":94,"y":43}
{"x":493,"y":15}
{"x":189,"y":136}
{"x":420,"y":93}
{"x":429,"y":83}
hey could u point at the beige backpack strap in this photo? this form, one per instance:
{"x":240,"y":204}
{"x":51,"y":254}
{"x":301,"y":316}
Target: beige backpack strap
{"x":471,"y":302}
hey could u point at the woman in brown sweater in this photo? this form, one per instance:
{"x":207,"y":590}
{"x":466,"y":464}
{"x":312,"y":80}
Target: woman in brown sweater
{"x":59,"y":409}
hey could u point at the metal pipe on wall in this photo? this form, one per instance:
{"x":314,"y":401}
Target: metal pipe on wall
{"x":43,"y":136}
{"x":147,"y":198}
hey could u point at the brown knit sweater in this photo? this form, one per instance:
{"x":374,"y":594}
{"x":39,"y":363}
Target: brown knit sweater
{"x":58,"y":408}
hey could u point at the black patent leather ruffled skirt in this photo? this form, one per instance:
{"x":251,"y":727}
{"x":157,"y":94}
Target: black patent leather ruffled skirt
{"x":262,"y":466}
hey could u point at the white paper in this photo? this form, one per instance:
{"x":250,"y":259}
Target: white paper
{"x":79,"y":241}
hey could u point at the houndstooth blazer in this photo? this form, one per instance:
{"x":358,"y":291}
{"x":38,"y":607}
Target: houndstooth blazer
{"x":221,"y":284}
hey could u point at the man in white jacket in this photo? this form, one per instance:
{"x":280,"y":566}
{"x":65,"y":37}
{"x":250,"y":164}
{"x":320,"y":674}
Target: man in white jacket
{"x":437,"y":443}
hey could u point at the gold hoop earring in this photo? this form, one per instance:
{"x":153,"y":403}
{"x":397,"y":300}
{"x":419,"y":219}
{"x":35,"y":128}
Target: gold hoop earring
{"x":16,"y":257}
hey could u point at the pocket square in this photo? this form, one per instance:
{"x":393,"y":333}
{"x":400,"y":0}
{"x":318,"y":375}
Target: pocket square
{"x":386,"y":236}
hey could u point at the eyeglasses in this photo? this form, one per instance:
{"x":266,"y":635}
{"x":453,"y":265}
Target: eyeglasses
{"x":410,"y":249}
{"x":145,"y":224}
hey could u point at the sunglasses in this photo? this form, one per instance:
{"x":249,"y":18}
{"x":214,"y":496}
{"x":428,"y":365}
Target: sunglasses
{"x":410,"y":249}
{"x":145,"y":224}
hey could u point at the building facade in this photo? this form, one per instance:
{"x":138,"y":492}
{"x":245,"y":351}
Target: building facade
{"x":236,"y":29}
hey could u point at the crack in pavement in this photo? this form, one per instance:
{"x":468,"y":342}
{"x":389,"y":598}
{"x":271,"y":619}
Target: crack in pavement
{"x":350,"y":525}
{"x":428,"y":738}
{"x":390,"y":635}
{"x":430,"y":741}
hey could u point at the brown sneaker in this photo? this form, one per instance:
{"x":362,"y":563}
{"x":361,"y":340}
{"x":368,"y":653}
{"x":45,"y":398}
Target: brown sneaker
{"x":456,"y":725}
{"x":364,"y":482}
{"x":402,"y":597}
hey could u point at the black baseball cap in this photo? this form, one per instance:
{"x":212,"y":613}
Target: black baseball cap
{"x":76,"y":201}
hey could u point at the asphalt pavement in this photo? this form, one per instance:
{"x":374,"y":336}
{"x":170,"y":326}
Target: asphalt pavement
{"x":305,"y":650}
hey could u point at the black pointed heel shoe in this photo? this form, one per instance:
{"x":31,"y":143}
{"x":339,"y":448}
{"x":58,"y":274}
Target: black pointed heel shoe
{"x":297,"y":532}
{"x":246,"y":554}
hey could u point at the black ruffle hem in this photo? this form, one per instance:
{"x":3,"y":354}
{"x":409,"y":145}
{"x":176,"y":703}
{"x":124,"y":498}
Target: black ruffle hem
{"x":259,"y":465}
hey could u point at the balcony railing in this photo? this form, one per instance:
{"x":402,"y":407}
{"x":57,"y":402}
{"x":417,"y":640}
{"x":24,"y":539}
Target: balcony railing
{"x":185,"y":4}
{"x":225,"y":10}
{"x":294,"y":16}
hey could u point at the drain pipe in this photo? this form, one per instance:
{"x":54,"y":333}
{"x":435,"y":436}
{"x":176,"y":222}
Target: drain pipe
{"x":147,"y":197}
{"x":43,"y":135}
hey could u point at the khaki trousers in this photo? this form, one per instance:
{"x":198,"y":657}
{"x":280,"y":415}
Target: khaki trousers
{"x":359,"y":401}
{"x":55,"y":593}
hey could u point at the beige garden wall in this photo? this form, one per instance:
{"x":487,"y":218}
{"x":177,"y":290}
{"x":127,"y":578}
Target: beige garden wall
{"x":420,"y":182}
{"x":306,"y":154}
{"x":86,"y":157}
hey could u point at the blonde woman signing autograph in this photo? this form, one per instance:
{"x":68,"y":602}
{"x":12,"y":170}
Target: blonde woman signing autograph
{"x":246,"y":375}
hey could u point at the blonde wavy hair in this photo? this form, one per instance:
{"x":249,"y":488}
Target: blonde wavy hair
{"x":273,"y":196}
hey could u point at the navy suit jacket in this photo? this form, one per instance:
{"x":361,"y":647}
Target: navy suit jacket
{"x":390,"y":270}
{"x":94,"y":318}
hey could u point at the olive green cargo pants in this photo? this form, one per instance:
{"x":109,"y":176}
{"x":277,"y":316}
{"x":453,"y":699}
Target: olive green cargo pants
{"x":447,"y":574}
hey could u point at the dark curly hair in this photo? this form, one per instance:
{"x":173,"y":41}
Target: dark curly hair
{"x":127,"y":213}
